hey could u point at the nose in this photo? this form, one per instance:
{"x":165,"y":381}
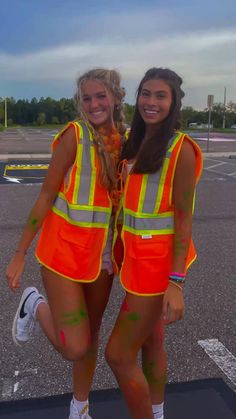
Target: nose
{"x":94,"y":102}
{"x":151,"y":100}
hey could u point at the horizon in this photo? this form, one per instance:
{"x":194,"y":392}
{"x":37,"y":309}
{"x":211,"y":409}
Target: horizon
{"x":44,"y":47}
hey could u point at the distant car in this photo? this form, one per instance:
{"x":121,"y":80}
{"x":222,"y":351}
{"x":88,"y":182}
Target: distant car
{"x":233,"y":126}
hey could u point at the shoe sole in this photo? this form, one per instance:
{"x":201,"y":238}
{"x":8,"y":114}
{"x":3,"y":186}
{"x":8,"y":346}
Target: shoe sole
{"x":27,"y":291}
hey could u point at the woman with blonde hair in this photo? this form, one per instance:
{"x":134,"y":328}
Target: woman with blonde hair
{"x":74,"y":212}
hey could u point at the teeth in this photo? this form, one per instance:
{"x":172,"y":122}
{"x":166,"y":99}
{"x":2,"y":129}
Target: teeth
{"x":96,"y":113}
{"x":151,"y":112}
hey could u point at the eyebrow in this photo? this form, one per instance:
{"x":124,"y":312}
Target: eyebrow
{"x":157,"y":91}
{"x":97,"y":93}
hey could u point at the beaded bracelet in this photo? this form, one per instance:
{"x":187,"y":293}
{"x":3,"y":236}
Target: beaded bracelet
{"x":177,"y":277}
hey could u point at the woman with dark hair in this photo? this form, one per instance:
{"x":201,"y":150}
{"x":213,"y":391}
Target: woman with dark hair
{"x":163,"y":167}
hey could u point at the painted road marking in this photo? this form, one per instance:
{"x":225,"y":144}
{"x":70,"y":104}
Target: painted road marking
{"x":16,"y":172}
{"x":214,"y":139}
{"x":215,"y":165}
{"x":223,"y":358}
{"x":10,"y":386}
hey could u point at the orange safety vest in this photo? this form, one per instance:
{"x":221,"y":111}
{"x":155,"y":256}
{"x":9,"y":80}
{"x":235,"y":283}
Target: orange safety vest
{"x":148,"y":225}
{"x":75,"y":230}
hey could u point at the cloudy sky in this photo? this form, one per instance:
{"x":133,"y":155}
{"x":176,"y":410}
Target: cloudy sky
{"x":46,"y":44}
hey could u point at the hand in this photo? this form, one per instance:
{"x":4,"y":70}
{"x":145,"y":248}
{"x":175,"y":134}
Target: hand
{"x":14,"y":270}
{"x":173,"y":304}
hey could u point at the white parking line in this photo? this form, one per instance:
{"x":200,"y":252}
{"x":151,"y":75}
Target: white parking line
{"x":215,"y":165}
{"x":10,"y":387}
{"x":223,"y":358}
{"x":7,"y":388}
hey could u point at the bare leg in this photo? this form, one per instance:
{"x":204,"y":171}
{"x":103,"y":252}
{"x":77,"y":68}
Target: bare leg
{"x":96,"y":295}
{"x":136,"y":320}
{"x":65,"y":318}
{"x":154,"y":363}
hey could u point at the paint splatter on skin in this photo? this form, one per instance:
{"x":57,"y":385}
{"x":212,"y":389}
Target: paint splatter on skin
{"x":134,"y":384}
{"x":73,"y":318}
{"x":149,"y":372}
{"x":33,"y":221}
{"x":133,"y":316}
{"x":124,"y":306}
{"x":63,"y":338}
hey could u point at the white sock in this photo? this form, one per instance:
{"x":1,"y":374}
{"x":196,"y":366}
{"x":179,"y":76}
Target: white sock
{"x":82,"y":407}
{"x":36,"y":304}
{"x":158,"y":411}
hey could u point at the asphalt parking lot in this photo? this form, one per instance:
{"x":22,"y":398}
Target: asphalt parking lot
{"x":203,"y":345}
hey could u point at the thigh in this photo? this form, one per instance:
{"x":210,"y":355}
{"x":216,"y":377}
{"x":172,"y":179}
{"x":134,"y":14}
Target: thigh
{"x":135,"y":322}
{"x":68,"y":308}
{"x":97,"y":295}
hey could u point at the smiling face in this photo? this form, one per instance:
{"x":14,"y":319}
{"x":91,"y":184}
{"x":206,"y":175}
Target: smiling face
{"x":97,"y":102}
{"x":154,"y":102}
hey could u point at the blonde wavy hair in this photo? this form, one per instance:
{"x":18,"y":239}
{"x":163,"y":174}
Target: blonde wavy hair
{"x":112,"y":81}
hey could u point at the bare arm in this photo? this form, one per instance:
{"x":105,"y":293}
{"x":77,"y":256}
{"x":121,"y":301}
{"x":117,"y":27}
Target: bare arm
{"x":183,"y":193}
{"x":63,"y":157}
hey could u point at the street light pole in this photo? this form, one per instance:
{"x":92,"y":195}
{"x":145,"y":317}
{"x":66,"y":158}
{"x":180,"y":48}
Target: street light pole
{"x":210,"y":102}
{"x":223,"y":126}
{"x":5,"y":112}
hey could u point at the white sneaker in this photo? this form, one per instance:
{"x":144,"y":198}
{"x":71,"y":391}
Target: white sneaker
{"x":25,"y":323}
{"x":75,"y":414}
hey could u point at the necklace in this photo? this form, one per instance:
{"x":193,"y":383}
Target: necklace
{"x":112,"y":143}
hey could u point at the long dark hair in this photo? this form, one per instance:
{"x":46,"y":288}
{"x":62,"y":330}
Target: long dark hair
{"x":150,"y":154}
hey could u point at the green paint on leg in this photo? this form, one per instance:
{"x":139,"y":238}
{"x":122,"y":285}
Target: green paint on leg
{"x":73,"y":318}
{"x":133,"y":316}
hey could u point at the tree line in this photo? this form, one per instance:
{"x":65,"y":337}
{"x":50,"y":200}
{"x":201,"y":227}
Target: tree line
{"x":44,"y":111}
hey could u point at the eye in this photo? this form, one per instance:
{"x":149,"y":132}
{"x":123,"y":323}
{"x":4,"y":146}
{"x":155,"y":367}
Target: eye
{"x":102,"y":96}
{"x":86,"y":98}
{"x":161,"y":95}
{"x":144,"y":93}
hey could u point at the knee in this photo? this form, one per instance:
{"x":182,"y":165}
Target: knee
{"x":116,"y":357}
{"x":73,"y":351}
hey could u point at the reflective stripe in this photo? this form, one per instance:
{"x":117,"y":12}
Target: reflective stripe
{"x":149,"y":223}
{"x":85,"y":160}
{"x":153,"y":184}
{"x":151,"y":192}
{"x":79,"y":215}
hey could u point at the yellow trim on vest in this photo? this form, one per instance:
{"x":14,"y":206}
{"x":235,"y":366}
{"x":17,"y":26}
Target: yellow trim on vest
{"x":65,"y":276}
{"x":138,"y":293}
{"x":79,"y":223}
{"x":85,"y":207}
{"x":142,"y":192}
{"x":93,"y":176}
{"x":149,"y":215}
{"x":79,"y":155}
{"x":173,"y":173}
{"x":161,"y":185}
{"x":137,"y":232}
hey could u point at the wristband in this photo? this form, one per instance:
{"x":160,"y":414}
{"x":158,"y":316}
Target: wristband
{"x":175,"y":276}
{"x":177,"y":285}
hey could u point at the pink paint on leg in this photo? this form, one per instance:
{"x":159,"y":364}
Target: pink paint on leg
{"x":63,"y":338}
{"x":124,"y":306}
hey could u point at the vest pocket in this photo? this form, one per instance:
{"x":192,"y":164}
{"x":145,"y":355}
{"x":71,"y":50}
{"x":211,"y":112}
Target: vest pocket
{"x":148,"y":248}
{"x":78,"y":236}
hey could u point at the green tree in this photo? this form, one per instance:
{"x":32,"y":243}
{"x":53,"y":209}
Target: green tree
{"x":41,"y":118}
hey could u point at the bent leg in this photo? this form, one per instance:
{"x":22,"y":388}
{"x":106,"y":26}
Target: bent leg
{"x":134,"y":324}
{"x":67,"y":315}
{"x":96,"y":295}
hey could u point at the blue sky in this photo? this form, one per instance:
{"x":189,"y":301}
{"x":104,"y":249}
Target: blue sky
{"x":46,"y":45}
